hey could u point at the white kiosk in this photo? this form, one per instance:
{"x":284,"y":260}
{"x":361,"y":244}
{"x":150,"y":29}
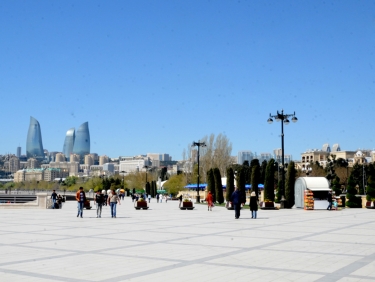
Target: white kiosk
{"x":318,"y":187}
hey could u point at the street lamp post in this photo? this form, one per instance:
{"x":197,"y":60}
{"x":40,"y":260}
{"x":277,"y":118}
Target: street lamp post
{"x":284,"y":119}
{"x":307,"y":170}
{"x":198,"y":144}
{"x":123,"y":179}
{"x":146,"y":167}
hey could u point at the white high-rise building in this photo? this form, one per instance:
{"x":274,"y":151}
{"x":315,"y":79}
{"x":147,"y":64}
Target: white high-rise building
{"x":244,"y":156}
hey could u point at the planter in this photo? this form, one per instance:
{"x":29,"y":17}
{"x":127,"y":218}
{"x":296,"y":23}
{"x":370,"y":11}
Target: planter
{"x":187,"y":206}
{"x":141,"y":205}
{"x":370,"y":205}
{"x":268,"y":206}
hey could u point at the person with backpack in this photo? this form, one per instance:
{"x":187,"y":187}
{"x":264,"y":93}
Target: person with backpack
{"x":54,"y":199}
{"x":99,"y":200}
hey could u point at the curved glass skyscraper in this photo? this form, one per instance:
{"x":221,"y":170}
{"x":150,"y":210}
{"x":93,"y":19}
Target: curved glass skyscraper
{"x":69,"y":143}
{"x":34,"y":144}
{"x":82,"y":141}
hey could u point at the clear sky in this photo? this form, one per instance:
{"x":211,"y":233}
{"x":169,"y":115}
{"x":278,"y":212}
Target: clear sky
{"x":153,"y":76}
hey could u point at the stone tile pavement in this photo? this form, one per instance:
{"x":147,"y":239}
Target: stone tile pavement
{"x":168,"y":244}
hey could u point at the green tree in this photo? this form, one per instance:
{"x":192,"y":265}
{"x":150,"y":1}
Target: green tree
{"x":289,"y":185}
{"x":253,"y":163}
{"x":255,"y":179}
{"x":148,"y":187}
{"x":278,"y":194}
{"x":211,"y":183}
{"x":70,"y":180}
{"x":336,"y":186}
{"x":240,"y":179}
{"x":357,"y":174}
{"x":370,"y":189}
{"x":352,"y":200}
{"x":269,"y":181}
{"x":175,"y":184}
{"x":263,"y":170}
{"x":218,"y":186}
{"x":230,"y":184}
{"x":152,"y":192}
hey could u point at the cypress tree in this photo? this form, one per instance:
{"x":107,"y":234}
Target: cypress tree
{"x":289,"y":185}
{"x":218,"y":186}
{"x":211,"y":183}
{"x":336,"y":186}
{"x":269,"y":181}
{"x":370,"y":189}
{"x":352,"y":200}
{"x":255,"y":178}
{"x":263,"y":170}
{"x":155,"y":189}
{"x":241,"y":183}
{"x":147,"y":187}
{"x":152,"y":192}
{"x":253,"y":163}
{"x":230,"y":184}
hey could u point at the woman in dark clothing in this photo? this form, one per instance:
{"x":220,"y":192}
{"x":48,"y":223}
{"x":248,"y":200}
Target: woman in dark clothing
{"x":253,"y":205}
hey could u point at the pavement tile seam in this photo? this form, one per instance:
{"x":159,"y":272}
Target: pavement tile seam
{"x":278,"y":222}
{"x":202,"y":260}
{"x":348,"y":269}
{"x":41,"y":276}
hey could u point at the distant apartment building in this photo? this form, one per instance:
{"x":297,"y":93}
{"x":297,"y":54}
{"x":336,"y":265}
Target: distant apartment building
{"x":243,"y":156}
{"x":39,"y":174}
{"x":133,"y":164}
{"x":264,"y":157}
{"x":18,"y":152}
{"x":278,"y":156}
{"x":109,"y":167}
{"x":33,"y":163}
{"x":14,"y":164}
{"x":71,"y":167}
{"x":74,"y":158}
{"x":59,"y":157}
{"x":89,"y":160}
{"x":103,"y":159}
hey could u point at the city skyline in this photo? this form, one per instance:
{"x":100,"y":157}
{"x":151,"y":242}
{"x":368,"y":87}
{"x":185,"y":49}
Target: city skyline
{"x":156,"y":76}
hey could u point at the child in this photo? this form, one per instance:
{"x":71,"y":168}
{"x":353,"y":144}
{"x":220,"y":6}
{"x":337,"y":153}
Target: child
{"x":335,"y":204}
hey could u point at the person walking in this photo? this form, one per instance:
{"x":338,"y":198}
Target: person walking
{"x":157,"y":198}
{"x":113,"y":199}
{"x":149,"y":198}
{"x":54,"y":198}
{"x":59,"y":201}
{"x":253,"y":205}
{"x":99,"y":200}
{"x":161,"y":198}
{"x":81,"y":198}
{"x":236,"y":201}
{"x":329,"y":200}
{"x":180,"y":198}
{"x":209,"y":200}
{"x":166,"y":198}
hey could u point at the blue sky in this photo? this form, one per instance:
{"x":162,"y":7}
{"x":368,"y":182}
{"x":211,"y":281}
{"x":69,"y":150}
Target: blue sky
{"x":153,"y":76}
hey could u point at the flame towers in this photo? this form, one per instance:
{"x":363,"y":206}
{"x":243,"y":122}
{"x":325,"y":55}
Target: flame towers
{"x":82,"y":140}
{"x":69,"y":143}
{"x":34,"y":144}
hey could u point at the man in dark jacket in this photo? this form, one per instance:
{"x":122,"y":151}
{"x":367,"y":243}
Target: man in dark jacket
{"x":236,"y":200}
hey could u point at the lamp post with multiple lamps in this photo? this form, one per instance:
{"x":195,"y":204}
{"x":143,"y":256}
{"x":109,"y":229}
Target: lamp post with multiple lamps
{"x":198,"y":144}
{"x":307,"y":170}
{"x":146,"y":167}
{"x":284,"y":119}
{"x":123,"y":179}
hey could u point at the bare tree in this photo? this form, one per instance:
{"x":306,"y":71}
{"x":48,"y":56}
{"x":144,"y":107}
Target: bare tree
{"x":217,"y":153}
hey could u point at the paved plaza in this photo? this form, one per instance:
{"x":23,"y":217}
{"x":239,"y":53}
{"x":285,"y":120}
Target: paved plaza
{"x":168,"y":244}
